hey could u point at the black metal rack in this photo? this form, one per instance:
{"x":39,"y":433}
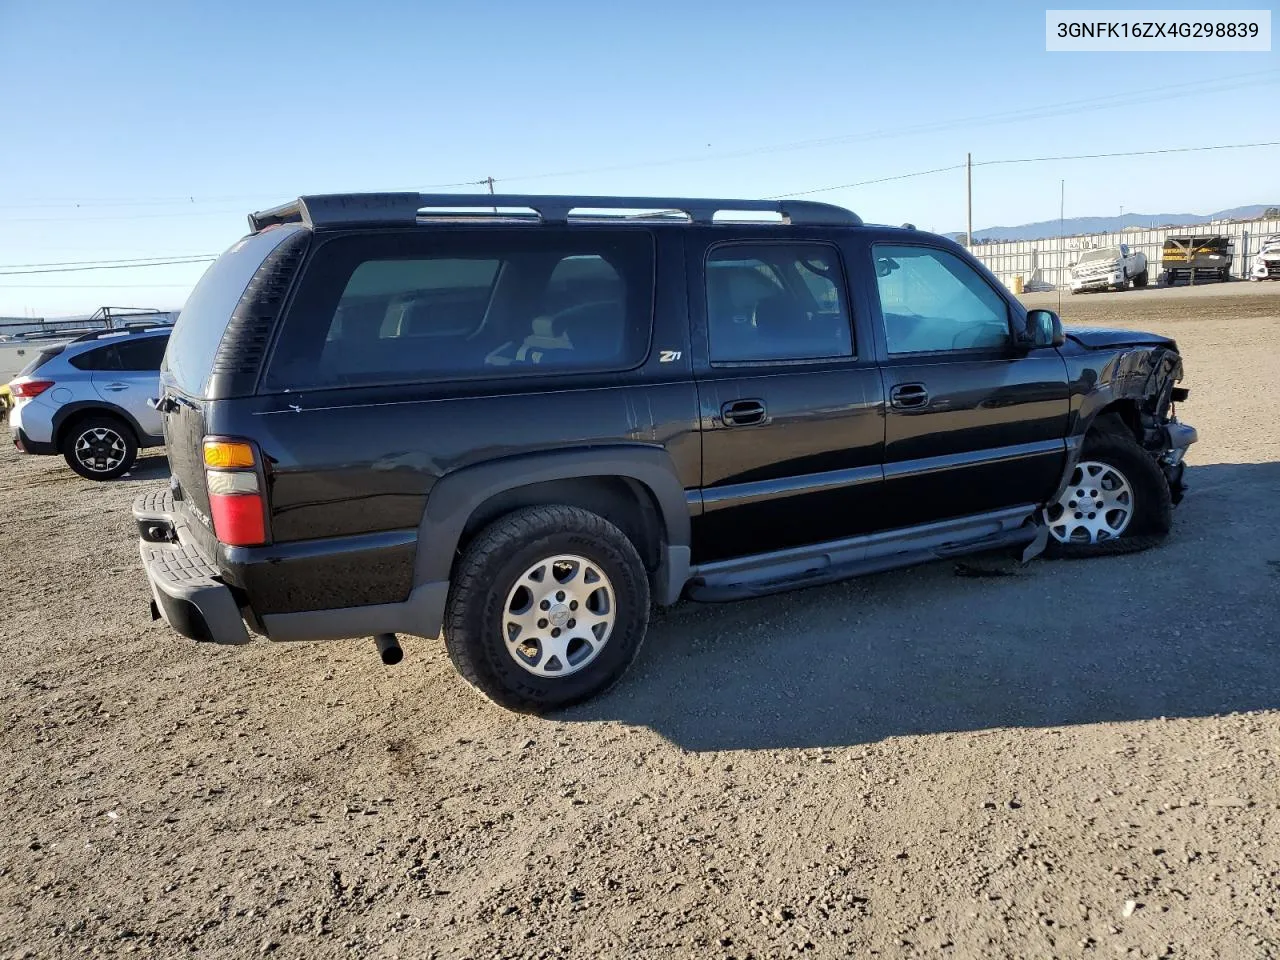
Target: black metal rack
{"x":363,"y":209}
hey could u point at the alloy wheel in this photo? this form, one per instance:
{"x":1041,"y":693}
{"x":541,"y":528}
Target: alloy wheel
{"x":100,"y":449}
{"x":558,"y":616}
{"x":1097,"y":505}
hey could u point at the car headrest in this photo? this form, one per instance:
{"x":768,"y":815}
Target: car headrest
{"x":778,"y":315}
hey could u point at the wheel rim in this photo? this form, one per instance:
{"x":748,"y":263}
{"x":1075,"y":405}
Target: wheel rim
{"x":558,"y":615}
{"x":1096,"y":506}
{"x":100,"y":449}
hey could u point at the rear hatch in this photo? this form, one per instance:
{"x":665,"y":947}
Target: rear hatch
{"x":215,"y":352}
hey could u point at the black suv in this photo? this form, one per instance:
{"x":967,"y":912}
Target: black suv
{"x":520,"y":420}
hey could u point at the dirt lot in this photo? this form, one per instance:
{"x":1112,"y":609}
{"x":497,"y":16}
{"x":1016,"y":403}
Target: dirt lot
{"x":1076,"y":760}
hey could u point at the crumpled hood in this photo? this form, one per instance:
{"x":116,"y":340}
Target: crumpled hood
{"x":1100,"y":337}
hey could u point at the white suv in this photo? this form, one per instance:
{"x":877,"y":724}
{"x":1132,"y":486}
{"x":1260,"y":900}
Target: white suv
{"x":89,"y":400}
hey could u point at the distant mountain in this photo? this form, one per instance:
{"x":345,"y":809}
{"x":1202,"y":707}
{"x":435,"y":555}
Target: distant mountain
{"x":1074,"y":226}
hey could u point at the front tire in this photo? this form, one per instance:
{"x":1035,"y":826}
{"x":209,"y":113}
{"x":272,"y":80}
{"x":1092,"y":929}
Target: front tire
{"x":1118,"y":501}
{"x":548,"y":607}
{"x":100,"y":448}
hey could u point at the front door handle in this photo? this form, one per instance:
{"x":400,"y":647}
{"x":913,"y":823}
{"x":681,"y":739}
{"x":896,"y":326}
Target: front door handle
{"x":742,"y":413}
{"x":909,"y":396}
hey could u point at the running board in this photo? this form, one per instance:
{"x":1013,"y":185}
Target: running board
{"x":811,"y":566}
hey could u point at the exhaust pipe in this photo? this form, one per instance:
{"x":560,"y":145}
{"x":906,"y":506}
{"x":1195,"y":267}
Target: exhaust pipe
{"x":389,"y":648}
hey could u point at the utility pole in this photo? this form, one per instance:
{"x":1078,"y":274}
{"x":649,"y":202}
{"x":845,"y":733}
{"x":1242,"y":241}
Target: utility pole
{"x":489,"y":181}
{"x":968,"y":177}
{"x":1062,"y":212}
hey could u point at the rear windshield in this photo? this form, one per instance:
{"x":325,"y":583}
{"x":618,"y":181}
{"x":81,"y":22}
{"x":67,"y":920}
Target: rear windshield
{"x":40,"y":359}
{"x":204,"y":318}
{"x":399,"y":307}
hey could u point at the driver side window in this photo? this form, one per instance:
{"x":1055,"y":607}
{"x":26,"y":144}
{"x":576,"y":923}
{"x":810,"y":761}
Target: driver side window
{"x":933,"y":301}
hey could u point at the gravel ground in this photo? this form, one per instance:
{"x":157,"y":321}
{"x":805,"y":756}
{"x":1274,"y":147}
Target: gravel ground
{"x":1073,"y":759}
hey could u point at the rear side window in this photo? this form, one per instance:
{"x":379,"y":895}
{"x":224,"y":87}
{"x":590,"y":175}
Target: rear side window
{"x":398,"y":307}
{"x":776,"y":302}
{"x":203,"y":320}
{"x":40,"y":359}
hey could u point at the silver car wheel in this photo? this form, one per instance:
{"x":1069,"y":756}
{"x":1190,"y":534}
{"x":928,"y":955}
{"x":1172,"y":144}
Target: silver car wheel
{"x":100,"y":449}
{"x":558,"y":615}
{"x":1097,"y":505}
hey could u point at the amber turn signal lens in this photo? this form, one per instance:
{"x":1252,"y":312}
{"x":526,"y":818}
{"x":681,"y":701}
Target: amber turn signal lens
{"x":227,"y":454}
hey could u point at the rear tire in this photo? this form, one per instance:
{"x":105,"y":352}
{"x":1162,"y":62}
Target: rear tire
{"x":100,"y":447}
{"x":558,"y":561}
{"x":1149,"y":502}
{"x":1140,"y":280}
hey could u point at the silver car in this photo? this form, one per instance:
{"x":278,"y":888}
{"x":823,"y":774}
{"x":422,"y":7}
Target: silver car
{"x":88,"y":400}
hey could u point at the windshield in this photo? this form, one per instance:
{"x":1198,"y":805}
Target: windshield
{"x":1101,"y":254}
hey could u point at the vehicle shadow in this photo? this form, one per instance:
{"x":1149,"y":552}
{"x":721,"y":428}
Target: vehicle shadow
{"x":149,"y":467}
{"x":1189,"y":629}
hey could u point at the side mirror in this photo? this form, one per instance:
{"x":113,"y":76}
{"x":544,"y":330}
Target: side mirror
{"x":1043,"y":329}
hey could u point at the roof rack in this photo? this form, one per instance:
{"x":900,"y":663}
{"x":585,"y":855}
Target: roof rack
{"x":123,"y":329}
{"x":362,"y":209}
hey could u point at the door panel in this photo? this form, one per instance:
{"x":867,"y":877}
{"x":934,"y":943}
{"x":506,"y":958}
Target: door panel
{"x":990,"y":435}
{"x":809,"y":472}
{"x":971,"y":424}
{"x":131,"y":389}
{"x":792,"y":419}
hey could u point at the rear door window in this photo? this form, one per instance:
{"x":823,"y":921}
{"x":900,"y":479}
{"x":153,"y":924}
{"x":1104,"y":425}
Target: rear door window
{"x":142,"y":354}
{"x":396,"y":307}
{"x":103,"y":358}
{"x":776,"y":302}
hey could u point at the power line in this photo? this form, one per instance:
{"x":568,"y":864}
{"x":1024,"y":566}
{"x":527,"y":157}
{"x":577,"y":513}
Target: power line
{"x":1131,"y":153}
{"x":990,"y":163}
{"x":1153,"y":94}
{"x":72,"y":266}
{"x":863,"y":183}
{"x":83,"y":263}
{"x":1126,"y":98}
{"x":93,"y":286}
{"x":109,"y":266}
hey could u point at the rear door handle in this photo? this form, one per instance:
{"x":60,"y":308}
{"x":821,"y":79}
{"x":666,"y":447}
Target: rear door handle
{"x":116,"y":387}
{"x":742,"y":413}
{"x":909,"y":396}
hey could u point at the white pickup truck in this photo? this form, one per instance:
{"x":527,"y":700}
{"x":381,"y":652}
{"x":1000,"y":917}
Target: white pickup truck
{"x":1109,"y":268}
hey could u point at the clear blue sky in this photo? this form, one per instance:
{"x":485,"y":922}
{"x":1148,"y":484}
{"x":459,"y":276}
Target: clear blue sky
{"x":121,"y":108}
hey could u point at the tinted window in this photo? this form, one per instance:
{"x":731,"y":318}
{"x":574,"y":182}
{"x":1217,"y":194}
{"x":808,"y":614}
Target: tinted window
{"x":400,"y":307}
{"x":932,"y":300}
{"x":144,"y":353}
{"x":776,"y":302}
{"x":103,"y":358}
{"x":204,"y":318}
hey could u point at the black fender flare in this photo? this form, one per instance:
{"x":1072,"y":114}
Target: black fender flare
{"x":456,"y":496}
{"x":97,"y":406}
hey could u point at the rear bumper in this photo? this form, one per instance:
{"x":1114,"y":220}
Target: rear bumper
{"x":185,"y":588}
{"x":190,"y":595}
{"x":25,"y":444}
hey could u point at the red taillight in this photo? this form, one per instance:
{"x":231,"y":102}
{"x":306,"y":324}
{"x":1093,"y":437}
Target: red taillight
{"x":30,"y":388}
{"x":235,"y":498}
{"x":237,"y":519}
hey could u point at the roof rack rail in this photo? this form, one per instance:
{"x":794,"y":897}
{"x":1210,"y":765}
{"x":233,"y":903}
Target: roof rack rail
{"x":362,"y":209}
{"x":123,"y":329}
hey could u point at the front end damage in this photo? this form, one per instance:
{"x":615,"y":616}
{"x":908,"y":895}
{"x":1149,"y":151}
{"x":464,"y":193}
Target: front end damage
{"x":1148,"y":378}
